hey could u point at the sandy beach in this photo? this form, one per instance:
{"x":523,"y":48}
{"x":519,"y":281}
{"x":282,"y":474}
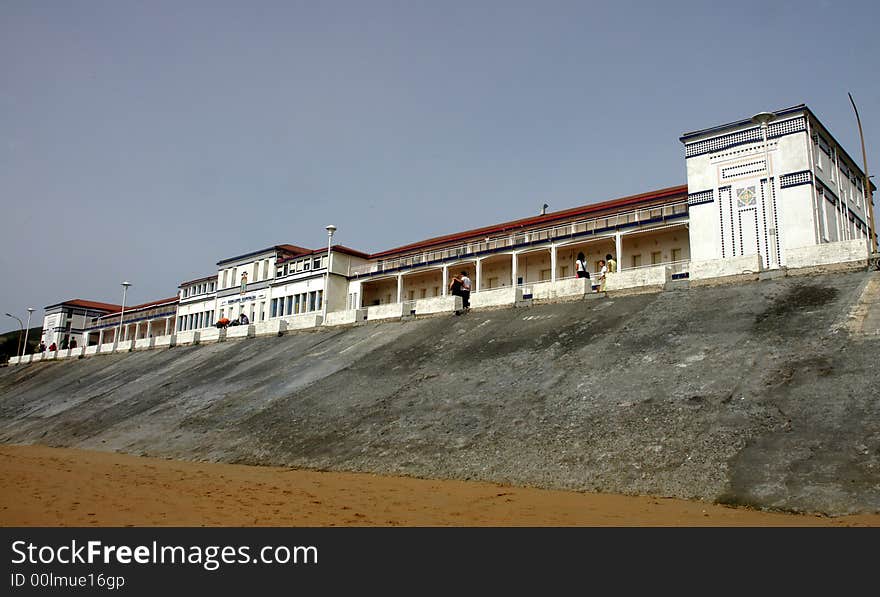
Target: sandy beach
{"x":44,"y":486}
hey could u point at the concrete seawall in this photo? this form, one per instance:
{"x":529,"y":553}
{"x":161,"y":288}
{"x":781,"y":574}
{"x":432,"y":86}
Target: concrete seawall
{"x":758,"y":393}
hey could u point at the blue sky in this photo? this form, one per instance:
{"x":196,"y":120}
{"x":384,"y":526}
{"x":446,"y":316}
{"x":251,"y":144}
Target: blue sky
{"x":147,"y":140}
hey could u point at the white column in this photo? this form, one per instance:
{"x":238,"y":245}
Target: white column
{"x":445,"y":280}
{"x":167,"y":326}
{"x":100,"y":337}
{"x":399,"y":288}
{"x":513,"y":268}
{"x":478,"y":269}
{"x":618,"y":241}
{"x":86,"y":339}
{"x":552,"y":263}
{"x":149,"y":328}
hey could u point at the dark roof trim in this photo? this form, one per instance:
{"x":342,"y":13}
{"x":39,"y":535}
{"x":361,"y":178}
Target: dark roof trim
{"x":722,"y":127}
{"x":275,"y":248}
{"x":188,"y":282}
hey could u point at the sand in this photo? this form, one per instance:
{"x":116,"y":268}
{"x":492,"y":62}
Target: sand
{"x":56,"y":487}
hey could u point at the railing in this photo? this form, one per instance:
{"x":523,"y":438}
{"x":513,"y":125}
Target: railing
{"x":635,"y":216}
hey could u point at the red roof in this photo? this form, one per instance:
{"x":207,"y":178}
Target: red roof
{"x":557,"y":215}
{"x":88,"y":305}
{"x":166,"y":301}
{"x":336,"y":249}
{"x":294,"y":249}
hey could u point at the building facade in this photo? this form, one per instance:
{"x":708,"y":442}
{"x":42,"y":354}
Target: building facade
{"x":773,"y":191}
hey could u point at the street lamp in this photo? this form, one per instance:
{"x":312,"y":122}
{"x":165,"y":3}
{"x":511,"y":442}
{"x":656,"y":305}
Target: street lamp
{"x":125,"y":286}
{"x":764,"y":119}
{"x":20,"y":331}
{"x":869,"y":194}
{"x":330,"y":230}
{"x":26,"y":330}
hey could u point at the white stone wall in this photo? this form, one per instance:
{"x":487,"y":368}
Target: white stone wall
{"x":656,"y":275}
{"x":829,"y":253}
{"x":143,"y":343}
{"x":567,"y":288}
{"x":300,"y":322}
{"x":386,"y":311}
{"x":190,"y":337}
{"x":345,"y":317}
{"x":719,"y":268}
{"x":240,"y":331}
{"x":272,"y":327}
{"x":496,"y":298}
{"x":441,"y":304}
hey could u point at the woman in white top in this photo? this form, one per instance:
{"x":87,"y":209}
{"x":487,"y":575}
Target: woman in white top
{"x":603,"y":269}
{"x":581,"y":266}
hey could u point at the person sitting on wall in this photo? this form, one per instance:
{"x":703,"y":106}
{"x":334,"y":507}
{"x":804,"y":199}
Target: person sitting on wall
{"x":222,"y":322}
{"x":42,"y":347}
{"x":73,"y":343}
{"x":52,"y":347}
{"x":64,"y":345}
{"x":243,"y":319}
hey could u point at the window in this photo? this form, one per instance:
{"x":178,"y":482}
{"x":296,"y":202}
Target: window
{"x":290,"y":305}
{"x":656,"y":257}
{"x":637,"y":260}
{"x":436,"y":291}
{"x":320,"y":299}
{"x":274,"y":307}
{"x":263,"y":311}
{"x":676,"y":254}
{"x":312,"y":299}
{"x":305,"y":265}
{"x":562,"y":273}
{"x":545,"y":274}
{"x":424,"y":293}
{"x":224,"y":279}
{"x":412,"y":295}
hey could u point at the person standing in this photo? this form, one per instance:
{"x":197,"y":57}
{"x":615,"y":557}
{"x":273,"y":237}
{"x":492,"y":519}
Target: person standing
{"x":603,"y":270}
{"x":243,"y":282}
{"x":581,"y":266}
{"x":465,"y":290}
{"x":455,"y":287}
{"x":611,"y":263}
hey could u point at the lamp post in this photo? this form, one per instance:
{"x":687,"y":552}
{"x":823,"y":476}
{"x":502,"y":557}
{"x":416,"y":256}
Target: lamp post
{"x":125,"y":286}
{"x":27,"y":328}
{"x":330,"y":230}
{"x":869,"y":195}
{"x":764,"y":119}
{"x":20,"y":332}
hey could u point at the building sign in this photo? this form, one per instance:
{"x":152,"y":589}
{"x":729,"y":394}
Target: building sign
{"x":234,"y":300}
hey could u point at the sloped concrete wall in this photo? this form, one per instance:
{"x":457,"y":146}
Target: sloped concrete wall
{"x":753,"y":393}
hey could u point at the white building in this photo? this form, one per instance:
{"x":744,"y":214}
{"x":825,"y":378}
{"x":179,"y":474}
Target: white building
{"x":774,"y":193}
{"x":70,"y":320}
